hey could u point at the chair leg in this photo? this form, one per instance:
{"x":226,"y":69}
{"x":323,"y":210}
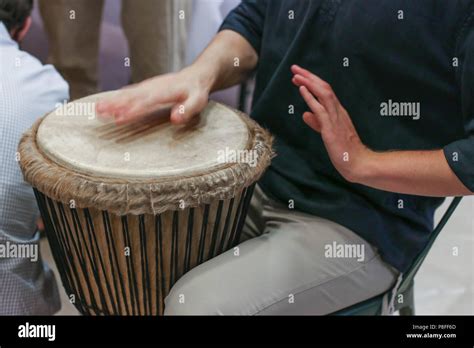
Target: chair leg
{"x":408,"y":307}
{"x":408,"y":310}
{"x":243,"y":97}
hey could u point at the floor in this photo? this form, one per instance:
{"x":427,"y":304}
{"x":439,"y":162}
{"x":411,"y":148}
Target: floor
{"x":445,"y":284}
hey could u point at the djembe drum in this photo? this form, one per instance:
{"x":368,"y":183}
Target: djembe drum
{"x":129,"y":209}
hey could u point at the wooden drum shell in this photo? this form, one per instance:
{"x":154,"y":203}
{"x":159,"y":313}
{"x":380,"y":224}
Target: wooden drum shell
{"x":126,"y":265}
{"x":121,"y":241}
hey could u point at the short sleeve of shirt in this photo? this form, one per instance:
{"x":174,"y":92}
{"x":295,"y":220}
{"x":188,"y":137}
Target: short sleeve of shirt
{"x":460,"y":154}
{"x":248,"y":20}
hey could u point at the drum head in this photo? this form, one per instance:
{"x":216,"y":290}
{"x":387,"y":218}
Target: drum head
{"x":73,"y":137}
{"x":147,"y":167}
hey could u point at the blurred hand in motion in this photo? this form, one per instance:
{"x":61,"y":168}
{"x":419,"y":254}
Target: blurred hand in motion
{"x":184,"y":92}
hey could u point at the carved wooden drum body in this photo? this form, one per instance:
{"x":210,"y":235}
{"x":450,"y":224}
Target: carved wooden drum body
{"x":129,"y":209}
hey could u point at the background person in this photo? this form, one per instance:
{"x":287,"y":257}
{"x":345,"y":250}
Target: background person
{"x":28,"y":90}
{"x":155,"y":32}
{"x":207,"y":17}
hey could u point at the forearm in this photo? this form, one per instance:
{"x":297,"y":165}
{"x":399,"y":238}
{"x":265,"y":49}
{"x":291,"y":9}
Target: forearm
{"x":424,"y":173}
{"x":227,"y":61}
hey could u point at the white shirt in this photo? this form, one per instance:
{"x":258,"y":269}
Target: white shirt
{"x":28,"y":90}
{"x":207,"y":16}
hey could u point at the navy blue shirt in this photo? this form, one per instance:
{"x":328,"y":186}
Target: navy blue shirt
{"x":378,"y":55}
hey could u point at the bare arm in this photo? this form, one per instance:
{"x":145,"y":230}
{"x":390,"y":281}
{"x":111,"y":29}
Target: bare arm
{"x":423,"y":173}
{"x":227,"y":60}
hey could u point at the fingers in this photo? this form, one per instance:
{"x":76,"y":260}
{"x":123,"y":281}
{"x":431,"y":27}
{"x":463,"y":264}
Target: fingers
{"x":111,"y":106}
{"x":297,"y":70}
{"x":118,"y":101}
{"x":319,"y":116}
{"x":324,"y":93}
{"x":313,"y":104}
{"x":138,"y":101}
{"x":144,"y":105}
{"x":312,"y":120}
{"x":320,"y":88}
{"x":135,"y":105}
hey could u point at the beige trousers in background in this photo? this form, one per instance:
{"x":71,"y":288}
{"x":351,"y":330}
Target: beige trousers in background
{"x":155,"y":32}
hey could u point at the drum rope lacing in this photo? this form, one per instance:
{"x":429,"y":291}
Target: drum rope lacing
{"x":140,"y":196}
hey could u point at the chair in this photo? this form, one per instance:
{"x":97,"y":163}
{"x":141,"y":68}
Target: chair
{"x":373,"y":306}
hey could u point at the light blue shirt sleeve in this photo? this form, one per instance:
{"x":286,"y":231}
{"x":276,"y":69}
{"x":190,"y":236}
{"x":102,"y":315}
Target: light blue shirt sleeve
{"x":28,"y":90}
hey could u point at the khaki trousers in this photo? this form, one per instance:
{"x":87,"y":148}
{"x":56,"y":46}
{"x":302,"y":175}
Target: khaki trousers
{"x":155,"y":30}
{"x":291,"y":263}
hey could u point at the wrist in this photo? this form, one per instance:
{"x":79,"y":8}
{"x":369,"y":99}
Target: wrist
{"x":367,"y":167}
{"x":205,"y":76}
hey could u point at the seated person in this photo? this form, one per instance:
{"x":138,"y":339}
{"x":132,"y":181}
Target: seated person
{"x":372,"y":107}
{"x":28,"y":90}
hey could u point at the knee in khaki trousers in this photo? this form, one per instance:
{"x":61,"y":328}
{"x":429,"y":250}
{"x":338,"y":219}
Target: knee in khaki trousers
{"x":155,"y":30}
{"x":282,"y":268}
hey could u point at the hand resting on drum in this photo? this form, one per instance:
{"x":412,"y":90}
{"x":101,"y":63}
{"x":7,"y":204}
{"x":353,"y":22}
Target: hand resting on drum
{"x":185,"y":92}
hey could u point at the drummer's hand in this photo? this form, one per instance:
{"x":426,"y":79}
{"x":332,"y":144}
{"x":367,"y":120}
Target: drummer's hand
{"x":328,"y":117}
{"x":183,"y":91}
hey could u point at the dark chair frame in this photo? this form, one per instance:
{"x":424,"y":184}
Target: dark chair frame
{"x":373,"y":306}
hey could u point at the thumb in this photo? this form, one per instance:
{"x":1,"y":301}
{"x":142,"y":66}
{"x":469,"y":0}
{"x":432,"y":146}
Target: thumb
{"x":183,"y":112}
{"x":312,"y":120}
